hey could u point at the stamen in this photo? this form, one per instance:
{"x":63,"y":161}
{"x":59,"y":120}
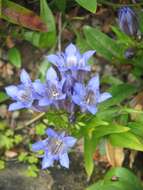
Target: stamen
{"x":90,"y":97}
{"x":25,"y":95}
{"x":54,"y":145}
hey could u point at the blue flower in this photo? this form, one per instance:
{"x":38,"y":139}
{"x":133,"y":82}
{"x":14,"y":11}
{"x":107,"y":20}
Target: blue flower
{"x":71,"y":59}
{"x":51,"y":91}
{"x":128,"y":21}
{"x":23,"y":94}
{"x":55,"y":147}
{"x":88,"y":97}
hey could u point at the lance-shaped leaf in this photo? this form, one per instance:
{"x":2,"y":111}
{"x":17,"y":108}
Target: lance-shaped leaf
{"x":89,"y":5}
{"x":22,"y":16}
{"x":103,"y":44}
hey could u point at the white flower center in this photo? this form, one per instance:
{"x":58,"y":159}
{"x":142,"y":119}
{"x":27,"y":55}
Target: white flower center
{"x":71,"y":61}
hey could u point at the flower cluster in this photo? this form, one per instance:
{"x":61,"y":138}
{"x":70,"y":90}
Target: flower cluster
{"x":55,"y":148}
{"x":64,"y":87}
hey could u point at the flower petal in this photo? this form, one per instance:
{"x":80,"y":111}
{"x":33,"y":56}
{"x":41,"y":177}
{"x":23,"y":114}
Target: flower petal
{"x":45,"y":102}
{"x":39,"y":145}
{"x":70,"y":141}
{"x":47,"y":161}
{"x":70,"y":49}
{"x":51,"y":133}
{"x":25,"y":78}
{"x":39,"y":87}
{"x":16,"y":106}
{"x":53,"y":59}
{"x":88,"y":54}
{"x":51,"y":75}
{"x":92,"y":109}
{"x":12,"y":91}
{"x":94,"y":83}
{"x":104,"y":96}
{"x":77,"y":100}
{"x":79,"y":89}
{"x":64,"y":160}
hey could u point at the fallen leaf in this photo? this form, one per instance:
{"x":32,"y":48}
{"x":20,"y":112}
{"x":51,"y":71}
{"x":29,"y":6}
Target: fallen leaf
{"x":22,"y":16}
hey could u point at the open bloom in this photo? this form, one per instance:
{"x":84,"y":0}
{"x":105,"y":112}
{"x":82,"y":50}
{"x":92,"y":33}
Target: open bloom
{"x":71,"y":59}
{"x":55,"y":148}
{"x":88,"y":97}
{"x":128,"y":21}
{"x":23,"y":94}
{"x":51,"y":91}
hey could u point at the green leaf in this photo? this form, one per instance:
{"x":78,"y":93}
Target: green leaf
{"x":57,"y":119}
{"x":126,"y":140}
{"x":14,"y":57}
{"x":22,"y":16}
{"x":40,"y":129}
{"x":89,"y":5}
{"x":61,"y":5}
{"x":6,"y":142}
{"x":103,"y":44}
{"x":124,"y":180}
{"x":136,"y":128}
{"x":97,"y":186}
{"x":88,"y":155}
{"x":22,"y":157}
{"x":2,"y":126}
{"x":104,"y":130}
{"x":3,"y":97}
{"x":124,"y":175}
{"x":32,"y":37}
{"x":49,"y":38}
{"x":32,"y":159}
{"x":2,"y":164}
{"x":32,"y":171}
{"x":18,"y":139}
{"x":122,"y":37}
{"x":119,"y":93}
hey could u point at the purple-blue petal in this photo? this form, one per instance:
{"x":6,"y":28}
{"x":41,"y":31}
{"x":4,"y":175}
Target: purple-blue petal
{"x":25,"y":78}
{"x":39,"y":87}
{"x":53,"y":59}
{"x":12,"y":91}
{"x":51,"y":75}
{"x":51,"y":133}
{"x":104,"y":96}
{"x":38,"y":146}
{"x":45,"y":102}
{"x":16,"y":106}
{"x":69,"y":141}
{"x":79,"y":89}
{"x":77,"y":100}
{"x":94,"y":83}
{"x":47,"y":161}
{"x":70,"y":49}
{"x":88,"y":54}
{"x":92,"y":109}
{"x":64,"y":160}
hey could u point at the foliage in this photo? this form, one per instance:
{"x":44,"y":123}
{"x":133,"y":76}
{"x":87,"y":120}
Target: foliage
{"x":118,"y":178}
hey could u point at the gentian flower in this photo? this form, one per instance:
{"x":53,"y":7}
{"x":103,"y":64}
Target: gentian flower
{"x":55,"y":148}
{"x":88,"y":97}
{"x":23,"y":94}
{"x":51,"y":91}
{"x":128,"y":21}
{"x":71,"y":59}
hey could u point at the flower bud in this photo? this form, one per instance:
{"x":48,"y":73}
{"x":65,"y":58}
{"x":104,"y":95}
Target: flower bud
{"x":128,"y":21}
